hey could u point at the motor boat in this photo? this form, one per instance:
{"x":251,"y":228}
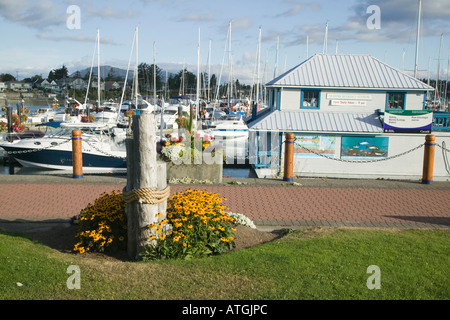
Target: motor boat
{"x":54,"y":150}
{"x":231,"y":133}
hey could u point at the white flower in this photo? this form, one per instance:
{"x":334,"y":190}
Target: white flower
{"x":242,"y":219}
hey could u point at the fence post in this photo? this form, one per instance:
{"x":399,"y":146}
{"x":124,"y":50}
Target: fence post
{"x":289,"y":157}
{"x":77,"y":155}
{"x":428,"y":159}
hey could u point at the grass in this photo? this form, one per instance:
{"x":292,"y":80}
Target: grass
{"x":316,"y":263}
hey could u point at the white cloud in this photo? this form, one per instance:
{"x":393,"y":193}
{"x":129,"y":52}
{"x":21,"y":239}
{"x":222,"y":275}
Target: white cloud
{"x":241,"y":23}
{"x":109,"y":11}
{"x":77,"y":38}
{"x":34,"y":14}
{"x":297,"y":6}
{"x":197,"y":17}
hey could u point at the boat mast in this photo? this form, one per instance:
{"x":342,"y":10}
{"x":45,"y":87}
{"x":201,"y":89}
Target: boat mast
{"x":98,"y":68}
{"x":197,"y":97}
{"x":257,"y":68}
{"x":275,"y":70}
{"x":126,"y":78}
{"x":417,"y":40}
{"x":436,"y":94}
{"x":230,"y":86}
{"x":209,"y":71}
{"x":325,"y":40}
{"x":307,"y":46}
{"x":446,"y":82}
{"x":154,"y":73}
{"x":136,"y":71}
{"x":90,"y":73}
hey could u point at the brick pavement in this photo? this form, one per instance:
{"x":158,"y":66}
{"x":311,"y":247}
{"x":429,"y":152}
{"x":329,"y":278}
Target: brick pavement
{"x":267,"y":205}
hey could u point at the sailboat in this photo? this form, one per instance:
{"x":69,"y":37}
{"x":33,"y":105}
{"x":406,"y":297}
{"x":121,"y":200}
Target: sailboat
{"x":54,"y":150}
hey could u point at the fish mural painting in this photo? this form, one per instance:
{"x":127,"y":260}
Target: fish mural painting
{"x":354,"y":148}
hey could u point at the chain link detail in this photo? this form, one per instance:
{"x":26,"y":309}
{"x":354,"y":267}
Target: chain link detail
{"x":365,"y":161}
{"x":442,"y":147}
{"x":37,"y":149}
{"x":103,"y":152}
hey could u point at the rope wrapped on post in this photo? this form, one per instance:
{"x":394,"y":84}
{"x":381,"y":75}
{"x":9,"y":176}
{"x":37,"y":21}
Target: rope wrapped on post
{"x":146,"y":195}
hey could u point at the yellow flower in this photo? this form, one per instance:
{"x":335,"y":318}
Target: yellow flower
{"x":190,"y":226}
{"x":162,"y":236}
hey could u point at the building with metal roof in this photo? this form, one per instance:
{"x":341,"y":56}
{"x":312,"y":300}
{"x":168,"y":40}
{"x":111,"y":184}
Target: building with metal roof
{"x":358,"y":72}
{"x":336,"y":104}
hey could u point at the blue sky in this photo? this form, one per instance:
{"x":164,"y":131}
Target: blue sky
{"x":35,"y":38}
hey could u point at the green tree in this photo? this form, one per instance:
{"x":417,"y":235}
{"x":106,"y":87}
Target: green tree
{"x":57,"y":74}
{"x":7,"y":77}
{"x":146,"y":77}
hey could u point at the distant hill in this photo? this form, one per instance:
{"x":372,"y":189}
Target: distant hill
{"x":104,"y":71}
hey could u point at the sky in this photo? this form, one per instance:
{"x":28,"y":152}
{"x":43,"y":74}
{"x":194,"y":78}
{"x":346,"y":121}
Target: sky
{"x":37,"y":36}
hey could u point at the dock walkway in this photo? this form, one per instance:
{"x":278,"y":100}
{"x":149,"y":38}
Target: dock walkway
{"x":270,"y":203}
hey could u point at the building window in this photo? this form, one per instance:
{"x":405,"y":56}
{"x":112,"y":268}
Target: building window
{"x":395,"y":100}
{"x":310,"y":99}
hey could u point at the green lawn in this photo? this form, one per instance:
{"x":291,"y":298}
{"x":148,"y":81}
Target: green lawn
{"x":324,"y":263}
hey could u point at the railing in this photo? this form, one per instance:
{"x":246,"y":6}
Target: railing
{"x":441,"y":121}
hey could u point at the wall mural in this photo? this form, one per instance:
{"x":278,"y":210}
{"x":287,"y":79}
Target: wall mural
{"x":354,"y":148}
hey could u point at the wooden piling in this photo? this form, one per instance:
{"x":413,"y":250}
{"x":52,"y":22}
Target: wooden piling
{"x":144,"y":175}
{"x":9,"y":120}
{"x":428,"y":159}
{"x":289,"y":157}
{"x":77,"y":154}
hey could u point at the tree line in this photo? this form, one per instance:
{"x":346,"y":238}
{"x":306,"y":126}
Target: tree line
{"x":183,"y":82}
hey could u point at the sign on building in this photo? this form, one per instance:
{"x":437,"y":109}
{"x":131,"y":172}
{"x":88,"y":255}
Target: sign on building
{"x":408,"y":121}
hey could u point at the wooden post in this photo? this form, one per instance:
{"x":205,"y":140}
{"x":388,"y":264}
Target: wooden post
{"x":289,"y":157}
{"x":428,"y":159}
{"x":143,"y":173}
{"x":77,"y":154}
{"x":9,"y":120}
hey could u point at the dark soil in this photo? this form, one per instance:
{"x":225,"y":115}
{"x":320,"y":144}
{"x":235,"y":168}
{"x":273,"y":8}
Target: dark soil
{"x":62,"y":238}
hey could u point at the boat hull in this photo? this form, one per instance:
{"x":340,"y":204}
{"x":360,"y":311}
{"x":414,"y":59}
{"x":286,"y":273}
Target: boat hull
{"x":62,"y":160}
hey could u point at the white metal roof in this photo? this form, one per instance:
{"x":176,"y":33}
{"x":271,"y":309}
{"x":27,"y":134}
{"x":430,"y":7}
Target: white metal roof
{"x":347,"y":71}
{"x":315,"y":121}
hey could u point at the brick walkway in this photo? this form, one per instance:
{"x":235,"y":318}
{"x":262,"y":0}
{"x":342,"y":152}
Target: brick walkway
{"x":266,"y":205}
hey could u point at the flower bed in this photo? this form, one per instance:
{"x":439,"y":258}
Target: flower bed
{"x":197,"y":225}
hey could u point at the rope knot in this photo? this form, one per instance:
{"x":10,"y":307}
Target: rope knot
{"x":146,"y":195}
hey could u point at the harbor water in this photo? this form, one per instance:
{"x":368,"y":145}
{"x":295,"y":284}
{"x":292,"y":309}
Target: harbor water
{"x":13,"y":168}
{"x":229,"y":171}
